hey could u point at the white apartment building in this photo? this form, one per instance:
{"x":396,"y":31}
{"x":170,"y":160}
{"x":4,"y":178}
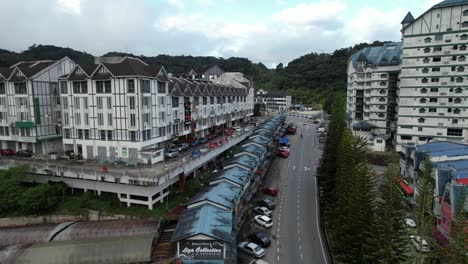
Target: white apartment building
{"x":30,"y":116}
{"x":128,"y":111}
{"x":373,"y":79}
{"x":434,"y":80}
{"x":274,"y":101}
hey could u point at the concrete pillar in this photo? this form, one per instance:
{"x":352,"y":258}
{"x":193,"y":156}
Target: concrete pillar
{"x":128,"y":202}
{"x":99,"y":192}
{"x":150,"y":202}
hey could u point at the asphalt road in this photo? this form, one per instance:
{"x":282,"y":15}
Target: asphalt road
{"x":295,"y":217}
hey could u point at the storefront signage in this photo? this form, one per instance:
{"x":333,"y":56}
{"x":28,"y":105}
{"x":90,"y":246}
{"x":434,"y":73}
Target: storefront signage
{"x":188,"y":113}
{"x":201,"y":250}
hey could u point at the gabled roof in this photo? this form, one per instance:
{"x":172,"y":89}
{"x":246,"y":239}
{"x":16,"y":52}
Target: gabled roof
{"x":223,"y":194}
{"x":244,"y":160}
{"x":408,"y":18}
{"x":5,"y":73}
{"x":254,"y":149}
{"x":448,"y":3}
{"x":207,"y":220}
{"x":30,"y":68}
{"x":236,"y":175}
{"x":257,"y":140}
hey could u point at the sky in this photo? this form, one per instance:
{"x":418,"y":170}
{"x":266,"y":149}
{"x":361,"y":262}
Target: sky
{"x":268,"y":31}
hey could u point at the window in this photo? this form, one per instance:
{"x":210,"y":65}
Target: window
{"x":426,"y":60}
{"x":464,"y":37}
{"x":383,"y":83}
{"x":109,"y":134}
{"x":103,"y":87}
{"x":211,"y":100}
{"x":66,"y":119}
{"x":86,"y":119}
{"x":465,"y":12}
{"x":109,"y":103}
{"x":65,"y":102}
{"x":421,"y":120}
{"x":420,"y":129}
{"x":437,"y":49}
{"x":454,"y":121}
{"x":381,"y":115}
{"x":131,"y":86}
{"x":436,"y":59}
{"x":455,"y":47}
{"x":432,"y":110}
{"x":424,"y":80}
{"x":78,"y":119}
{"x":80,"y":87}
{"x":438,"y":36}
{"x":433,"y":100}
{"x":99,"y":103}
{"x":381,"y":107}
{"x":131,"y":103}
{"x":436,"y":69}
{"x":109,"y":119}
{"x":427,"y":40}
{"x":175,"y":101}
{"x":161,"y":87}
{"x":133,"y":136}
{"x":20,"y":88}
{"x":434,"y":79}
{"x":66,"y":132}
{"x":460,"y":69}
{"x":456,"y":132}
{"x":132,"y":120}
{"x":80,"y":133}
{"x":463,"y":47}
{"x":422,"y":100}
{"x":464,"y":24}
{"x":103,"y":134}
{"x":434,"y":90}
{"x":456,"y":111}
{"x":382,"y":99}
{"x":458,"y":90}
{"x":63,"y":87}
{"x":461,"y":58}
{"x":382,"y":92}
{"x":100,"y":119}
{"x":406,"y":137}
{"x":383,"y":76}
{"x":86,"y":134}
{"x":427,"y":50}
{"x":422,"y":110}
{"x":459,"y":80}
{"x":77,"y":102}
{"x":425,"y":70}
{"x":423,"y":90}
{"x":145,"y":86}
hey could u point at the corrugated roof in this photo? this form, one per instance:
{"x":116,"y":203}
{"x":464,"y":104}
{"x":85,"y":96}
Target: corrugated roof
{"x":223,"y":194}
{"x":208,"y":220}
{"x":244,"y":160}
{"x":257,"y":140}
{"x":29,"y":69}
{"x":443,"y":148}
{"x":386,"y":55}
{"x":235,"y":174}
{"x":254,"y":149}
{"x":110,"y":250}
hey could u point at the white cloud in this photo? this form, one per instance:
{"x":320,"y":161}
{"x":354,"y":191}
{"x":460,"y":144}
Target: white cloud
{"x":430,"y":3}
{"x":306,"y":14}
{"x":69,"y":6}
{"x":176,"y":3}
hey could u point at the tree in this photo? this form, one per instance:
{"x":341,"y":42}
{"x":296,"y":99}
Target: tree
{"x":423,"y":212}
{"x":279,"y":67}
{"x":457,"y":247}
{"x":42,"y":198}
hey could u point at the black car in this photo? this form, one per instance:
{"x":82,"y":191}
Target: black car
{"x":24,"y":153}
{"x":270,"y":204}
{"x":203,"y":140}
{"x":260,"y":238}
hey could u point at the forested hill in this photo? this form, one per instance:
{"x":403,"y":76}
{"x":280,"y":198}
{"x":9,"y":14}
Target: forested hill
{"x":308,"y":78}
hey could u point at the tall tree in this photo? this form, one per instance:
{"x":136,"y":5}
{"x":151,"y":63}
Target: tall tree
{"x":424,"y":214}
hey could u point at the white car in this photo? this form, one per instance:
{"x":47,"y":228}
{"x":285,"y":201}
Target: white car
{"x":251,"y":249}
{"x":420,"y":244}
{"x":171,"y":153}
{"x":204,"y":149}
{"x":262,"y":210}
{"x":258,"y":261}
{"x":409,"y":223}
{"x":263,"y":220}
{"x":284,"y":148}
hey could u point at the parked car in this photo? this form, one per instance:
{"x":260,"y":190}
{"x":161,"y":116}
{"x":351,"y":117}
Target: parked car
{"x":195,"y":143}
{"x":284,"y":148}
{"x":258,"y":261}
{"x":24,"y":153}
{"x":420,"y":244}
{"x":316,"y":122}
{"x":172,"y":152}
{"x":6,"y":152}
{"x":263,"y":210}
{"x":260,"y":238}
{"x":283,"y":153}
{"x":195,"y":154}
{"x":204,"y":149}
{"x":213,"y":145}
{"x":183,"y":147}
{"x":263,"y":220}
{"x":228,"y":132}
{"x":268,"y":203}
{"x":251,"y":249}
{"x":270,"y":191}
{"x":409,"y":223}
{"x":203,"y":140}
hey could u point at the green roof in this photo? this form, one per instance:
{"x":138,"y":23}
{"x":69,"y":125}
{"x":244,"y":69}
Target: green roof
{"x":448,"y":3}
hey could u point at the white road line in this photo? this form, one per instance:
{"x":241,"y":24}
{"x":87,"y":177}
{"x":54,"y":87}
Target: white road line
{"x":317,"y":221}
{"x":277,"y":250}
{"x":278,"y":258}
{"x":301,"y":256}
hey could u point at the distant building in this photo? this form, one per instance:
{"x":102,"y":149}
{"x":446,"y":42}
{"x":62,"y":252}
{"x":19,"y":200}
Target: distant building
{"x":208,"y":74}
{"x":30,"y":117}
{"x":274,"y":101}
{"x":373,"y":78}
{"x":434,"y":83}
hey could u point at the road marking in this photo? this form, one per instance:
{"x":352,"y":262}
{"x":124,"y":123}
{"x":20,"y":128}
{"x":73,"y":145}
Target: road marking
{"x":294,"y":167}
{"x":301,"y":256}
{"x":277,"y":250}
{"x":278,"y":258}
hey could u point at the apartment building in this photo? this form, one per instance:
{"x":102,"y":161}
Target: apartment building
{"x":274,"y":101}
{"x":434,"y":79}
{"x":125,"y":110}
{"x":30,"y":116}
{"x":373,"y":79}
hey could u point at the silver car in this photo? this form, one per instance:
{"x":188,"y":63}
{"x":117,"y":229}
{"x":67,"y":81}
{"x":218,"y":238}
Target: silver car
{"x":171,"y":153}
{"x":251,"y":249}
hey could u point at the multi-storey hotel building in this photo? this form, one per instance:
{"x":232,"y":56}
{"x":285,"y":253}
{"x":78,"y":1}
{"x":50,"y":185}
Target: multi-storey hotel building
{"x":30,"y":116}
{"x":128,"y":111}
{"x":373,"y":78}
{"x":434,"y":79}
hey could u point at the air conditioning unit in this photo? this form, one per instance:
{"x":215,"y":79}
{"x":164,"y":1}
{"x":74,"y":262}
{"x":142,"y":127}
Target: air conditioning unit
{"x":444,"y":83}
{"x":447,"y":52}
{"x":440,"y":124}
{"x":446,"y":62}
{"x":445,"y":73}
{"x":443,"y":93}
{"x":439,"y":133}
{"x":441,"y":114}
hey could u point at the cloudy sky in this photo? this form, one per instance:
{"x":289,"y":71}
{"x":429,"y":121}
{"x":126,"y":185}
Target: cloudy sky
{"x":270,"y":31}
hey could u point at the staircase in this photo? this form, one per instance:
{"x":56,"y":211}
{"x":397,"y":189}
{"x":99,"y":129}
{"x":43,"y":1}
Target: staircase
{"x":164,"y":252}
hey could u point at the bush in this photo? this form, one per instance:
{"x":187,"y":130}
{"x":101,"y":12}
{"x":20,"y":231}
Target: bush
{"x":40,"y":199}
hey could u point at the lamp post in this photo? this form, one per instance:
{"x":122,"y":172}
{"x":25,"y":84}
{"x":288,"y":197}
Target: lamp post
{"x":45,"y":138}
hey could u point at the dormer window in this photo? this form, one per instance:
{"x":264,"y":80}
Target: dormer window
{"x":464,"y":37}
{"x":384,"y":60}
{"x":425,"y":70}
{"x":424,"y":80}
{"x":456,"y":111}
{"x":422,"y":110}
{"x":457,"y":101}
{"x":464,"y":24}
{"x":461,"y":58}
{"x":427,"y":50}
{"x":423,"y":90}
{"x":421,"y":120}
{"x":427,"y":40}
{"x":382,"y":99}
{"x":381,"y":115}
{"x":460,"y":69}
{"x":382,"y":91}
{"x":394,"y":59}
{"x":465,"y":12}
{"x":426,"y":60}
{"x":458,"y":90}
{"x":462,"y":47}
{"x":459,"y":80}
{"x":381,"y":107}
{"x":422,"y":100}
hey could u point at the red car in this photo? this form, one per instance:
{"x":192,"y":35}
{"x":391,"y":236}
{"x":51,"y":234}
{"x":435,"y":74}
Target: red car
{"x":270,"y":191}
{"x":6,"y":152}
{"x":228,"y":132}
{"x":210,"y":136}
{"x":213,"y":145}
{"x":283,"y":153}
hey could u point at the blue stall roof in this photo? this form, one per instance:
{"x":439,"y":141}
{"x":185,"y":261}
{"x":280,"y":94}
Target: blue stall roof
{"x":262,"y":133}
{"x":254,"y":149}
{"x":205,"y":220}
{"x":234,"y":174}
{"x":459,"y":168}
{"x":283,"y":140}
{"x":258,"y":140}
{"x":222,"y":193}
{"x":443,"y":148}
{"x":244,"y":160}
